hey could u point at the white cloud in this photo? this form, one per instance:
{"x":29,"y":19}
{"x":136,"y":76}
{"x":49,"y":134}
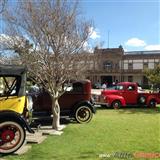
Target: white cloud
{"x":87,"y":47}
{"x":94,"y":33}
{"x":125,"y":49}
{"x":8,"y":42}
{"x":152,"y":47}
{"x":6,"y":39}
{"x":135,"y":42}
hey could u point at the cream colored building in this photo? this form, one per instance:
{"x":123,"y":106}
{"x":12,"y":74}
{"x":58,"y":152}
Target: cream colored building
{"x":113,"y":64}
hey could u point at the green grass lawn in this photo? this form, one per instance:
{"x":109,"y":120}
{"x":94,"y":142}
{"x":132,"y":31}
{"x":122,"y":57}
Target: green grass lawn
{"x":110,"y":132}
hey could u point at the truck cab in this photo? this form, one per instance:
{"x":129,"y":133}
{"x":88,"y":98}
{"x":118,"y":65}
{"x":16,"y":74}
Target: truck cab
{"x":128,"y":94}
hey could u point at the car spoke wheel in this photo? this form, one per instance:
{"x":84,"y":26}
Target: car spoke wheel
{"x":83,"y":114}
{"x":12,"y":136}
{"x":116,"y":104}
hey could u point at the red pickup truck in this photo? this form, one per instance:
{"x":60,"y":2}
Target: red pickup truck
{"x":128,"y":94}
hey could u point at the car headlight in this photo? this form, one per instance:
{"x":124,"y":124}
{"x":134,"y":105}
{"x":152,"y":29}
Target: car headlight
{"x":30,"y":103}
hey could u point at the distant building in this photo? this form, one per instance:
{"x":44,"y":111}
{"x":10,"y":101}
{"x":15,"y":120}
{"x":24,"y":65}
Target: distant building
{"x":114,"y":65}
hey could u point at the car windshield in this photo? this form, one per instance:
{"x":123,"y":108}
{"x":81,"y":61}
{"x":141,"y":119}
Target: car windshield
{"x":9,"y":86}
{"x":68,"y":87}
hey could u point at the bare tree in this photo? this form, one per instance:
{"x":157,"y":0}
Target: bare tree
{"x":49,"y":37}
{"x":2,"y":5}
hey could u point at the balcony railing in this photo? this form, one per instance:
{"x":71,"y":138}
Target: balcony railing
{"x":105,"y":71}
{"x":129,"y":71}
{"x":132,"y":71}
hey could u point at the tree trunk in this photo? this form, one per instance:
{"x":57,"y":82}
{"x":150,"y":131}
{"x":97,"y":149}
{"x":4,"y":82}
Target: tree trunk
{"x":56,"y":114}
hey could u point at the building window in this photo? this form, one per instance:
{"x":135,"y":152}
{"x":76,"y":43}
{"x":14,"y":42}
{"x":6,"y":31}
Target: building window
{"x":122,"y":78}
{"x":130,"y":66}
{"x":117,"y":66}
{"x":156,"y":64}
{"x":107,"y":65}
{"x":130,"y":78}
{"x":145,"y":80}
{"x":145,"y":65}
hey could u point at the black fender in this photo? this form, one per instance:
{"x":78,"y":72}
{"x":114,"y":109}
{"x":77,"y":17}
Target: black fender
{"x":13,"y":116}
{"x":89,"y":104}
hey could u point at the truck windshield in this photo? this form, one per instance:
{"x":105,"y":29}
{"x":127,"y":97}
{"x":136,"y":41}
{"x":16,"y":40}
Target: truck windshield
{"x":119,"y":87}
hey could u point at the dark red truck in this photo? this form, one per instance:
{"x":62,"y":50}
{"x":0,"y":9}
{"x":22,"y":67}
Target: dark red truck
{"x":128,"y":94}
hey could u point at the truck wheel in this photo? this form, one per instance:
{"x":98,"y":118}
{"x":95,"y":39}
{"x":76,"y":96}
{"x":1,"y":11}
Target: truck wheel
{"x":116,"y":104}
{"x":152,"y":103}
{"x":142,"y":100}
{"x":83,"y":114}
{"x":12,"y":136}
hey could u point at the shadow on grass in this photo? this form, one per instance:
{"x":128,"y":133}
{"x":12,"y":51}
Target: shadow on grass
{"x":38,"y":123}
{"x":2,"y":156}
{"x":102,"y":107}
{"x":48,"y":122}
{"x":132,"y":110}
{"x":135,"y":110}
{"x":86,"y":155}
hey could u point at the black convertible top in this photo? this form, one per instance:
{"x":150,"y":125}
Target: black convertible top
{"x":12,"y":70}
{"x":17,"y":71}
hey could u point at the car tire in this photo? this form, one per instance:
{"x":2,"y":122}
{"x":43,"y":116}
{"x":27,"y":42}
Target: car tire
{"x":152,"y":103}
{"x":83,"y":114}
{"x":12,"y":136}
{"x":142,"y":100}
{"x":116,"y":104}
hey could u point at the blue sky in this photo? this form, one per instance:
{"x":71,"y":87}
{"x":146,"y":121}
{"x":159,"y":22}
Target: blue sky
{"x":134,"y":24}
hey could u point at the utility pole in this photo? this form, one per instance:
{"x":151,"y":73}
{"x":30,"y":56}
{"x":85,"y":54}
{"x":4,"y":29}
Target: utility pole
{"x":108,"y":37}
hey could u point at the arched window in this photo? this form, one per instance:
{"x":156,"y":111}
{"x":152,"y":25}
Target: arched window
{"x":108,"y":65}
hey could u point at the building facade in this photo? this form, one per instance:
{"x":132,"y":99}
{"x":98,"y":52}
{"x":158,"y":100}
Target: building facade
{"x":114,"y":65}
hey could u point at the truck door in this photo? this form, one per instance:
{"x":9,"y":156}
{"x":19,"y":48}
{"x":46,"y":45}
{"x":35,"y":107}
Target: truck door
{"x":130,"y":94}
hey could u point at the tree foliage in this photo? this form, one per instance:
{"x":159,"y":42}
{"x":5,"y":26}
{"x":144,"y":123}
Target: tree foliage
{"x":153,"y":75}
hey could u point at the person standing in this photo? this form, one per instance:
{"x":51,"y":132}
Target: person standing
{"x":104,"y":86}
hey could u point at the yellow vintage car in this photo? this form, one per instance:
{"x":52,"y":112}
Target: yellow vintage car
{"x":14,"y":108}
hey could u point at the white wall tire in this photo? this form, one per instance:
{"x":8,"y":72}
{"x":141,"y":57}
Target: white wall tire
{"x":142,"y":100}
{"x":116,"y":104}
{"x":152,"y":103}
{"x":83,"y":114}
{"x":12,"y":136}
